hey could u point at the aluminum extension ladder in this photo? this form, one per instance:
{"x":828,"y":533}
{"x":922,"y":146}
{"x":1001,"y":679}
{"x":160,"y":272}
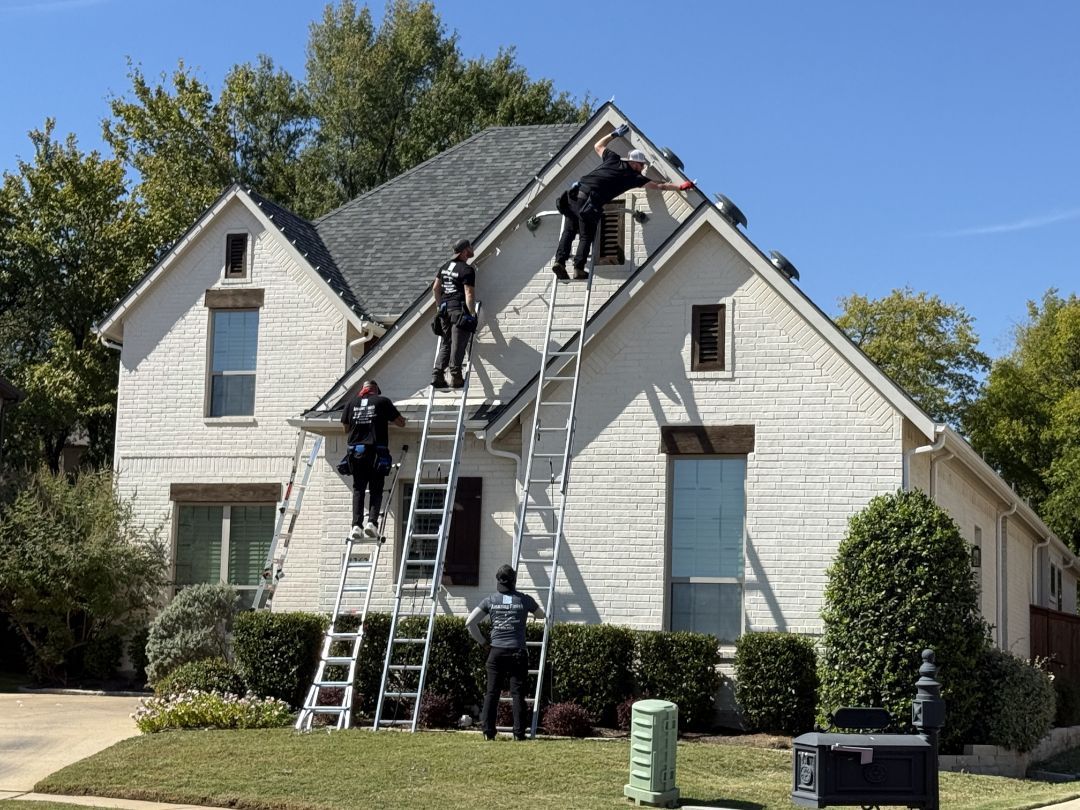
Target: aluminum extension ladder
{"x":427,"y":531}
{"x":353,"y":564}
{"x":288,"y":511}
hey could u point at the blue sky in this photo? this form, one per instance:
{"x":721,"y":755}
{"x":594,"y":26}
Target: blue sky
{"x":877,"y":145}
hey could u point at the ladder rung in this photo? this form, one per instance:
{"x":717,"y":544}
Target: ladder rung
{"x":563,"y":354}
{"x":326,"y":709}
{"x":365,"y":564}
{"x":556,"y":402}
{"x":552,"y":429}
{"x":539,"y":534}
{"x":354,"y":589}
{"x":324,"y":684}
{"x":416,"y":536}
{"x":534,"y":644}
{"x":395,"y":722}
{"x":442,"y":437}
{"x":400,"y":694}
{"x":549,"y":455}
{"x":341,"y":636}
{"x":406,"y":667}
{"x":432,"y":486}
{"x":410,"y":641}
{"x":420,"y":562}
{"x":508,"y":699}
{"x":338,"y":660}
{"x":528,"y":560}
{"x":560,"y":378}
{"x":556,"y":480}
{"x":435,"y":460}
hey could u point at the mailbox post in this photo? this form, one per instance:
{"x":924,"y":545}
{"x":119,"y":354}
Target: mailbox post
{"x":928,"y":716}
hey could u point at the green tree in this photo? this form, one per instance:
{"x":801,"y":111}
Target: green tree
{"x":1027,"y":422}
{"x":928,"y":347}
{"x":901,"y":583}
{"x":77,"y":572}
{"x":70,"y":248}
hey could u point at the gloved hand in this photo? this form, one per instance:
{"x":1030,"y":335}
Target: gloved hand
{"x":621,"y":130}
{"x":443,"y":307}
{"x":467,"y":323}
{"x":686,"y":184}
{"x":436,"y":326}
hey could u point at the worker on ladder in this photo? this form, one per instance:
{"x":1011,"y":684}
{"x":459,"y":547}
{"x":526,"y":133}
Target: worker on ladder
{"x":508,"y":655}
{"x":582,"y":204}
{"x":367,"y":418}
{"x":455,"y":316}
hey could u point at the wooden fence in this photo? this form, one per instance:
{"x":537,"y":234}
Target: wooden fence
{"x":1056,"y":636}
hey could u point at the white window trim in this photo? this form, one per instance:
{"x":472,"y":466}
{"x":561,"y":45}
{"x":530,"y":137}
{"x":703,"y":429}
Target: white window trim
{"x":729,"y":341}
{"x":249,"y":250}
{"x":208,"y":383}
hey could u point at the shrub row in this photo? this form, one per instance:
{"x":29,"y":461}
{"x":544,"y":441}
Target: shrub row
{"x":776,"y":682}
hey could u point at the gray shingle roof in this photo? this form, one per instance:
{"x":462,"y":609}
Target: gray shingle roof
{"x":388,"y":242}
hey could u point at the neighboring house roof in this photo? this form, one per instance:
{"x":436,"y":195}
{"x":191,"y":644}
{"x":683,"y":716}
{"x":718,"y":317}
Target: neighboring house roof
{"x":389,"y":241}
{"x":8,"y":392}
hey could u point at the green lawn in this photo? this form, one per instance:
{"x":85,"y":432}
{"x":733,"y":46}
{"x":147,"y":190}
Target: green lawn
{"x":22,"y":804}
{"x":280,"y":770}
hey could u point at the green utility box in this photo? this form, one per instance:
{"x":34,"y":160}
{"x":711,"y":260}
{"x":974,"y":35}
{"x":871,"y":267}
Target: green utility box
{"x":654,"y":730}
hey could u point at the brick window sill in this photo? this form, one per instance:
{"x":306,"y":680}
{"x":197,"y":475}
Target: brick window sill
{"x":231,"y":421}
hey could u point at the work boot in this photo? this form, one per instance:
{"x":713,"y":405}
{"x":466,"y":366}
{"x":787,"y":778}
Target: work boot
{"x":456,"y":380}
{"x":356,"y":533}
{"x":580,"y":273}
{"x":438,"y":380}
{"x":370,"y":529}
{"x":559,"y":269}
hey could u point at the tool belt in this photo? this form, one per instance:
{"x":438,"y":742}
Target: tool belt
{"x":577,"y":201}
{"x":382,"y":463}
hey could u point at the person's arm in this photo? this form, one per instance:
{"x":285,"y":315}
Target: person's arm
{"x":470,"y":296}
{"x":602,"y":144}
{"x":436,"y":290}
{"x":472,"y":624}
{"x":394,"y":416}
{"x":400,"y":421}
{"x":683,"y":186}
{"x":345,"y":417}
{"x":538,"y":613}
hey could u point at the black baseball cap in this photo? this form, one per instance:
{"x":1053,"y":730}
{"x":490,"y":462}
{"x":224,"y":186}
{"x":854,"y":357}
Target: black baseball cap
{"x":460,"y":245}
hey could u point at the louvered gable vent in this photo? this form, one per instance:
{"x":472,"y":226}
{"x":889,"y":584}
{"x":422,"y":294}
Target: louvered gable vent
{"x":708,"y":338}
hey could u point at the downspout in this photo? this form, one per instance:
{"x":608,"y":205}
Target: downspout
{"x":110,"y":344}
{"x":939,"y":442}
{"x":1035,"y":595}
{"x":366,"y":334}
{"x":934,"y":460}
{"x":489,"y":437}
{"x":1001,"y":577}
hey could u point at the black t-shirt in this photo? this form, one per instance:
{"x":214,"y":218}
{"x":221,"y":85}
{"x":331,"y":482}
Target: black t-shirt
{"x":455,"y":276}
{"x":612,"y":178}
{"x":367,"y":417}
{"x":508,"y":612}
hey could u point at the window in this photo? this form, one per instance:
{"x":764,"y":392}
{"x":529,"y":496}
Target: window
{"x":612,"y":248}
{"x":236,"y":252}
{"x":462,"y":563}
{"x":223,"y":543}
{"x":234,"y":336}
{"x":1055,"y":586}
{"x":976,"y":565}
{"x":707,"y":337}
{"x":708,"y":512}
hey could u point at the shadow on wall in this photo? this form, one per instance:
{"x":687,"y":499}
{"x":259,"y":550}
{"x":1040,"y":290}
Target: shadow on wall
{"x":761,"y":586}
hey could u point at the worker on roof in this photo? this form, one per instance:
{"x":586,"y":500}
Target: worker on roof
{"x":455,"y":318}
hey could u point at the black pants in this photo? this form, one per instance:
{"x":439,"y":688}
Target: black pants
{"x":581,"y":218}
{"x":506,"y":662}
{"x":364,"y":477}
{"x":453,"y":337}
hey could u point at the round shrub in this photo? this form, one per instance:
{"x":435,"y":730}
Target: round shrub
{"x":194,"y":625}
{"x":901,"y":583}
{"x":682,"y":667}
{"x":776,"y":682}
{"x":209,"y":675}
{"x":592,"y":666}
{"x":1016,"y":702}
{"x":567,"y":720}
{"x":436,"y":711}
{"x":276,"y":653}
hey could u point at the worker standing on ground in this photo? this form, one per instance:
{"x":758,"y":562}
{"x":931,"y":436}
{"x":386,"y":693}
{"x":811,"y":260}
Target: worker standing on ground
{"x":508,"y":655}
{"x":455,"y":318}
{"x":367,"y":417}
{"x":582,"y":205}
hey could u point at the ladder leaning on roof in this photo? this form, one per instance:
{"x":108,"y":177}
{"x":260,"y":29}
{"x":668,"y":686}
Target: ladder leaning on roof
{"x":423,"y":553}
{"x":288,"y":511}
{"x":538,"y":533}
{"x":333,"y":660}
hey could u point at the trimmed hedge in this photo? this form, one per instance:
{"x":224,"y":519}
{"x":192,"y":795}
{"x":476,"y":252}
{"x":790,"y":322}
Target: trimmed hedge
{"x":276,"y":653}
{"x":193,"y":626}
{"x":1017,"y":702}
{"x":681,"y":667}
{"x":209,"y":675}
{"x":592,"y":666}
{"x":776,"y":682}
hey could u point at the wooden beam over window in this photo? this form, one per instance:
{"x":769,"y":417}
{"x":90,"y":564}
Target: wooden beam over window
{"x":225,"y":493}
{"x":234,"y":299}
{"x":677,"y":440}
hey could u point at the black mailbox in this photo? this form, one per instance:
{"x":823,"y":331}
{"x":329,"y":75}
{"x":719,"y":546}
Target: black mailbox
{"x":830,"y":769}
{"x":862,"y":769}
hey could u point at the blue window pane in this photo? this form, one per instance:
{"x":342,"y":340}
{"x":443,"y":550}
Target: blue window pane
{"x":251,"y":528}
{"x":708,"y":511}
{"x":236,"y":338}
{"x":198,"y":545}
{"x":232,"y":395}
{"x":707,"y":608}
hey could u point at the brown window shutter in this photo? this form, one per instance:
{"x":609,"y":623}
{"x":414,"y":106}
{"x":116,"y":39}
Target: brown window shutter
{"x":612,"y":249}
{"x":462,"y":565}
{"x":707,"y":337}
{"x":236,"y":255}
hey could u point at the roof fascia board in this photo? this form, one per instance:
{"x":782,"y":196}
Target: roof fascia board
{"x":489,"y":237}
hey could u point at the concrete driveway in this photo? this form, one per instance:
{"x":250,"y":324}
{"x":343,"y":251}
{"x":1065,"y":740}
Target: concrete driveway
{"x":40,"y":734}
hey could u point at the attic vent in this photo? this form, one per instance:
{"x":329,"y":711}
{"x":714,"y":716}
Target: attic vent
{"x":612,"y":248}
{"x":786,"y":268}
{"x":671,"y":158}
{"x":236,"y":255}
{"x":730,"y":211}
{"x":707,"y":337}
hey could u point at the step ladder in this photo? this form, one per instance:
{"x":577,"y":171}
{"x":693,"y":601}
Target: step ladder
{"x":419,"y":579}
{"x":288,"y":511}
{"x":538,"y":532}
{"x":341,"y":648}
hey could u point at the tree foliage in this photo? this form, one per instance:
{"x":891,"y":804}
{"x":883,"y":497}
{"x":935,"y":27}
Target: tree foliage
{"x":77,"y":572}
{"x":901,"y":583}
{"x":1027,"y":422}
{"x":928,"y":347}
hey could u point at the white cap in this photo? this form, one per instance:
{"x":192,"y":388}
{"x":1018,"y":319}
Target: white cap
{"x":636,"y":156}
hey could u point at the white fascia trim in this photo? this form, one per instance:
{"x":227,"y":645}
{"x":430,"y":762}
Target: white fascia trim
{"x":609,"y":117}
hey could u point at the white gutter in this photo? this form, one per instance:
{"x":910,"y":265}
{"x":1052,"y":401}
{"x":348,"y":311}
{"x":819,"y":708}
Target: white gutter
{"x":939,"y":442}
{"x":367,"y":334}
{"x":109,"y":344}
{"x":1035,"y":570}
{"x":1002,"y":579}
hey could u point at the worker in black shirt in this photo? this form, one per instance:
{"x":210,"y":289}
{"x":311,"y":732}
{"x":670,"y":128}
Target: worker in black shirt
{"x":366,"y":417}
{"x":508,"y":655}
{"x":582,"y":205}
{"x":455,"y":320}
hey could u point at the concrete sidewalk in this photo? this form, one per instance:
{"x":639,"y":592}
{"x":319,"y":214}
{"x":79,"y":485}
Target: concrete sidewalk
{"x":100,"y":801}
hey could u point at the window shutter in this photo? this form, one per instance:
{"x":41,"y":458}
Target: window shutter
{"x":236,"y":255}
{"x":708,"y":338}
{"x":612,"y":249}
{"x":462,"y":565}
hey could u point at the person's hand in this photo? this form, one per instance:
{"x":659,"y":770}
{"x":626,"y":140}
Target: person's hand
{"x":620,"y":131}
{"x":685,"y":185}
